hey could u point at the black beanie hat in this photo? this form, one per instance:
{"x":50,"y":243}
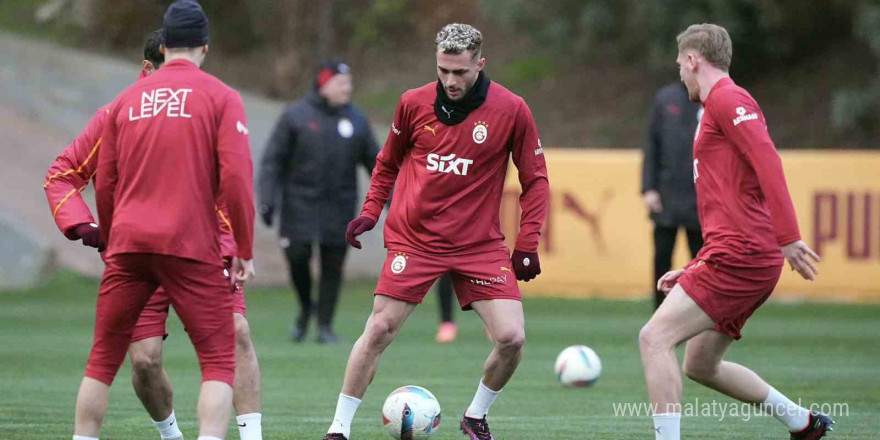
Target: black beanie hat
{"x":185,"y":24}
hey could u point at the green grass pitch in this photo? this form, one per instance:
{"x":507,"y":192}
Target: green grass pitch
{"x":817,"y":352}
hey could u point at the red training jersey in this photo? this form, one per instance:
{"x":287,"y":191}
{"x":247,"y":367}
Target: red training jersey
{"x":743,"y":202}
{"x":74,"y":168}
{"x":448,"y":180}
{"x":173,"y":144}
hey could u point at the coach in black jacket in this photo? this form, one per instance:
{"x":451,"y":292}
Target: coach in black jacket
{"x":667,"y":176}
{"x":311,"y":162}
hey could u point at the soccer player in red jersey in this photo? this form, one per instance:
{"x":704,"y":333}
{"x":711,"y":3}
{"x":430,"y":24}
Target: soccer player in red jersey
{"x":67,"y":176}
{"x":172,"y":145}
{"x":446,"y":157}
{"x":750,"y":229}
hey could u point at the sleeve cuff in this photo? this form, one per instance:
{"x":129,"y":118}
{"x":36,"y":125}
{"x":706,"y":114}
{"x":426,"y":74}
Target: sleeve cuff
{"x":526,"y":245}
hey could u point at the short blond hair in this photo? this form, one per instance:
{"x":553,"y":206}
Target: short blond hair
{"x":456,"y":38}
{"x":709,"y":40}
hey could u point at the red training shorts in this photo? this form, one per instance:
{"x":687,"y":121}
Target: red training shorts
{"x":200,"y":294}
{"x":482,"y":276}
{"x":729,"y":294}
{"x":151,"y":323}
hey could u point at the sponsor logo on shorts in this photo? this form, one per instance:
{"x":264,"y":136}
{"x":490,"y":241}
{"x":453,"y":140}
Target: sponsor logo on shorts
{"x":491,"y":281}
{"x":398,"y":264}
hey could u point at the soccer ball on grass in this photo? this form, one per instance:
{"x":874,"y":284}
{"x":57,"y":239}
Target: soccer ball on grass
{"x":411,"y":412}
{"x":578,"y":366}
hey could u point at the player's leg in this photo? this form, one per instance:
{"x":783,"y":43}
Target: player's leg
{"x":695,"y":240}
{"x":382,"y":327}
{"x":403,"y":283}
{"x":148,"y":377}
{"x":679,"y":318}
{"x":201,"y":296}
{"x":485,"y":283}
{"x":504,"y":319}
{"x":150,"y":382}
{"x":447,"y":330}
{"x":125,"y":290}
{"x":332,"y":262}
{"x":664,"y":245}
{"x":247,"y":392}
{"x":152,"y":386}
{"x":703,"y":363}
{"x":299,"y":257}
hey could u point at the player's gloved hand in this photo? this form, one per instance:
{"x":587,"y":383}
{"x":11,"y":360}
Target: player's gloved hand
{"x":266,"y":212}
{"x":90,"y":235}
{"x":357,"y":227}
{"x":526,"y":265}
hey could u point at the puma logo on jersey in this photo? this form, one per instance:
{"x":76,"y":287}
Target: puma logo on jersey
{"x":432,"y":130}
{"x":448,"y":164}
{"x":164,"y":100}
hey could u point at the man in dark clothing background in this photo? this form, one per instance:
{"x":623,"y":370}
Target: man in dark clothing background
{"x":667,"y":176}
{"x":311,"y":163}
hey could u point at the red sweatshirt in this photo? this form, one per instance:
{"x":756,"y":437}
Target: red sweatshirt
{"x":71,"y":172}
{"x":173,"y":144}
{"x":742,"y":198}
{"x":448,"y":180}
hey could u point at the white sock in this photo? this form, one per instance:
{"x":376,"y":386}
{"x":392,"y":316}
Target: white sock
{"x":346,"y":406}
{"x":483,"y":400}
{"x":667,"y":426}
{"x":207,"y":437}
{"x":786,"y":411}
{"x":82,"y":437}
{"x":249,"y":426}
{"x":168,"y":428}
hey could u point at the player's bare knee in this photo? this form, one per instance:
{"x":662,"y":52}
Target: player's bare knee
{"x":380,"y":331}
{"x":242,"y":334}
{"x":650,"y":339}
{"x":510,"y":341}
{"x":145,"y":364}
{"x":698,"y":369}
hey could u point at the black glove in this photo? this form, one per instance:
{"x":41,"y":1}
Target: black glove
{"x":526,"y":265}
{"x":357,"y":227}
{"x":90,"y":235}
{"x":266,"y":212}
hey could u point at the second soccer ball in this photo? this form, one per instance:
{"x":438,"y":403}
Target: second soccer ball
{"x":578,"y":366}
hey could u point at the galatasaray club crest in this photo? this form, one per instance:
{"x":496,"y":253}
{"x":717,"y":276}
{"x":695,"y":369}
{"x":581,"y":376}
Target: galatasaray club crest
{"x":481,"y":131}
{"x":398,"y":264}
